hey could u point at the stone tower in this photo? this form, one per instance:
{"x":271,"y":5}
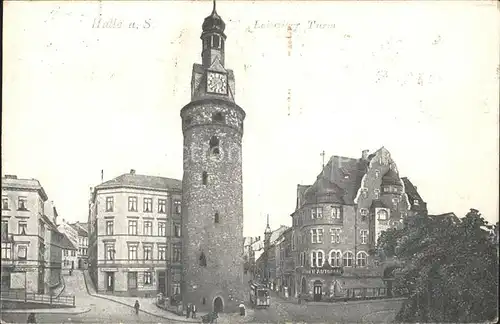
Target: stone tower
{"x":212,"y":199}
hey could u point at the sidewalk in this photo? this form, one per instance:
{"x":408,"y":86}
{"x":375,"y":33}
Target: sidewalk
{"x":72,"y":310}
{"x":148,"y":305}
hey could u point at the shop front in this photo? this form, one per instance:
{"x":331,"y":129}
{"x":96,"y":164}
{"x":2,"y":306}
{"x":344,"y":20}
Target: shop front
{"x":319,"y":284}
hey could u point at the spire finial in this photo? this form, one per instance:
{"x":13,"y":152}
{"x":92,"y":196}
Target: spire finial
{"x":267,"y":214}
{"x":213,"y":11}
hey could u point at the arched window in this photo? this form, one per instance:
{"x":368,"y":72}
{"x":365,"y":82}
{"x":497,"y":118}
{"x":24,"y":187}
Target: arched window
{"x":203,"y":260}
{"x":347,"y":261}
{"x":361,"y":259}
{"x":335,"y":258}
{"x":218,"y":117}
{"x":204,"y":177}
{"x":214,"y":145}
{"x":216,"y":218}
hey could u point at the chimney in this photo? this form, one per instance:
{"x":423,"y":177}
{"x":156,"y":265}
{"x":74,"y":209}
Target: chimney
{"x":10,"y":176}
{"x":102,"y":176}
{"x":364,"y":154}
{"x":132,"y":171}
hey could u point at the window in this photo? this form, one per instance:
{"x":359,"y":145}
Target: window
{"x":161,"y":252}
{"x":214,"y":145}
{"x":335,"y":235}
{"x":364,"y":236}
{"x":162,"y":206}
{"x":132,"y":252}
{"x":204,"y":177}
{"x":132,"y":227}
{"x":23,"y":227}
{"x":109,"y":227}
{"x":148,"y":278}
{"x":317,"y":258}
{"x":317,"y":212}
{"x":335,"y":212}
{"x":415,"y":202}
{"x":132,"y":204}
{"x":177,"y":253}
{"x":216,"y":218}
{"x":176,"y":289}
{"x":203,"y":260}
{"x":177,"y":230}
{"x":218,"y":117}
{"x":382,"y":214}
{"x":66,"y":252}
{"x":22,"y":252}
{"x":161,"y":229}
{"x":6,"y":251}
{"x":347,"y":261}
{"x":363,"y":211}
{"x":109,"y":204}
{"x":5,"y":203}
{"x":5,"y":230}
{"x":377,"y":174}
{"x":148,"y":205}
{"x":73,"y":252}
{"x":316,"y":235}
{"x":110,"y":251}
{"x":22,"y":203}
{"x":148,"y":228}
{"x":361,"y":259}
{"x":364,"y":192}
{"x":215,"y":41}
{"x":386,"y":189}
{"x":177,"y":206}
{"x":335,"y":258}
{"x":376,"y":194}
{"x":148,"y":252}
{"x":395,"y":201}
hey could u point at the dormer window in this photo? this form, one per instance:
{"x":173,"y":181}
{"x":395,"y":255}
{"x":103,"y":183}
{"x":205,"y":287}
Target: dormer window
{"x":395,"y":201}
{"x":415,"y":202}
{"x":376,"y":194}
{"x":377,"y":174}
{"x":364,"y":193}
{"x":363,"y":212}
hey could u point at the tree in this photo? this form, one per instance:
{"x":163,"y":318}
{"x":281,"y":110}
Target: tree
{"x":449,"y":268}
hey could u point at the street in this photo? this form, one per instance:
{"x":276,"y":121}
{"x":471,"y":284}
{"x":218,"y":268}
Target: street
{"x":381,"y":311}
{"x":280,"y":311}
{"x":101,"y":310}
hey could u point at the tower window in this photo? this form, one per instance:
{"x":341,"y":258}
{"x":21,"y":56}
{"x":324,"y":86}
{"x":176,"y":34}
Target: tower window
{"x":216,"y":218}
{"x":218,"y":117}
{"x":214,"y":145}
{"x":204,"y":177}
{"x":205,"y":43}
{"x":215,"y":41}
{"x":203,"y":301}
{"x":203,"y":260}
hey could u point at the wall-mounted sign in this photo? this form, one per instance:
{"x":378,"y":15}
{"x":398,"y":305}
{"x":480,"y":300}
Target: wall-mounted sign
{"x":319,"y":271}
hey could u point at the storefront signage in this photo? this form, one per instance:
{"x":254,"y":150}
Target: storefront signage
{"x":319,"y":271}
{"x":109,"y":269}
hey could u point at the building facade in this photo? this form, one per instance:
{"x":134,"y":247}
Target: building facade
{"x":69,"y":257}
{"x":135,"y":235}
{"x":31,"y":244}
{"x":212,"y":183}
{"x":82,"y":244}
{"x":336,"y":224}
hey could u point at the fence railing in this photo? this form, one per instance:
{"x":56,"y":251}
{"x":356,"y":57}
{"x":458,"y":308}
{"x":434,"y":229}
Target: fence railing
{"x":28,"y":296}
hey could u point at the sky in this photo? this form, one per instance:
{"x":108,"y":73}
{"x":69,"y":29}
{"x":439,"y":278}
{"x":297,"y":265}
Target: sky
{"x":91,"y":86}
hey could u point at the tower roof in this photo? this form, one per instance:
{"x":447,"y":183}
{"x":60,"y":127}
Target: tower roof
{"x":213,"y":23}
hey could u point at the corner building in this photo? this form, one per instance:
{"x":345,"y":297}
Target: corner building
{"x":212,"y":202}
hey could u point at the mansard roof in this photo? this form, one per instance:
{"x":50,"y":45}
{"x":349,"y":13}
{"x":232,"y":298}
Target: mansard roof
{"x":133,"y":180}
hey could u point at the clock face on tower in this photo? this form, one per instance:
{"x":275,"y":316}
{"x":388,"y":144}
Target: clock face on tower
{"x":217,"y":83}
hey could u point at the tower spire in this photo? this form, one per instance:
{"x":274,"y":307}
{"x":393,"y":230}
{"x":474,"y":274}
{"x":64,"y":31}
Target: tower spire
{"x":213,"y":10}
{"x":268,"y":228}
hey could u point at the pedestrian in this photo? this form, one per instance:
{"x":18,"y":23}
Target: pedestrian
{"x":136,"y":306}
{"x":31,"y":318}
{"x":193,"y":310}
{"x":188,"y":310}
